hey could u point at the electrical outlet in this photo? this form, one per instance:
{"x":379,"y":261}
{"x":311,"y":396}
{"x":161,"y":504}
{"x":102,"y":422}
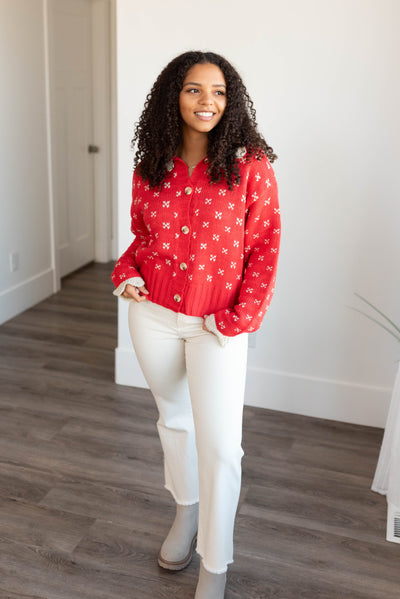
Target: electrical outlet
{"x":14,"y":261}
{"x":252,"y":339}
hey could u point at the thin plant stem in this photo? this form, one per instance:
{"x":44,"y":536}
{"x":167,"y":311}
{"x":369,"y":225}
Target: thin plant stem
{"x":377,"y":322}
{"x":379,"y":312}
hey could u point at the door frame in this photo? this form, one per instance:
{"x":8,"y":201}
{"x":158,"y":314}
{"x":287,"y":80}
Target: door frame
{"x":104,"y":132}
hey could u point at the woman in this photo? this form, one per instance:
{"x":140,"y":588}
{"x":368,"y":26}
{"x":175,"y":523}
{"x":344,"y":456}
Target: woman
{"x":200,"y":275}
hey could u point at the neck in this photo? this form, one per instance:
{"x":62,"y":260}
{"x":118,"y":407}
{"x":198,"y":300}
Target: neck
{"x":193,"y":147}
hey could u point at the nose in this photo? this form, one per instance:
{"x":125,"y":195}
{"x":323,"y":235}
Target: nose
{"x":206,"y":98}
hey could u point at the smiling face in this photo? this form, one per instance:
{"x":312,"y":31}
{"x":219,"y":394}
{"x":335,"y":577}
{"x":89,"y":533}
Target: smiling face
{"x":202,"y":100}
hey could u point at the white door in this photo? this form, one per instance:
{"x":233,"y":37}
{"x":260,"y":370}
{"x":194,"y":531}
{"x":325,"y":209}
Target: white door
{"x":70,"y":44}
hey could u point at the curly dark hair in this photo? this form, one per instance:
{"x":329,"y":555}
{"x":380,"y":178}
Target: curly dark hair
{"x":159,"y":129}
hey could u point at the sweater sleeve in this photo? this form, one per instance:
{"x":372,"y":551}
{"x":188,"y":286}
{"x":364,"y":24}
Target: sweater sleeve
{"x":126,"y":267}
{"x":261,"y":248}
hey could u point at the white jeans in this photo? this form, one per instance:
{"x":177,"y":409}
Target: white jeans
{"x":199,"y":389}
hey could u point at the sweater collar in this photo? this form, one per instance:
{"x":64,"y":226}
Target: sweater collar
{"x":240,"y":153}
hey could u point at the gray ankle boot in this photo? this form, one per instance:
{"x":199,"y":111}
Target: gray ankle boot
{"x":177,"y":550}
{"x":210,"y":586}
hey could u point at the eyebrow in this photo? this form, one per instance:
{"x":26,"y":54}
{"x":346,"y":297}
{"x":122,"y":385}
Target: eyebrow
{"x":199,"y":84}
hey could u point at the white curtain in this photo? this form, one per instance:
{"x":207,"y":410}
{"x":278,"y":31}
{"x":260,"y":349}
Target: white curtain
{"x":387,"y":475}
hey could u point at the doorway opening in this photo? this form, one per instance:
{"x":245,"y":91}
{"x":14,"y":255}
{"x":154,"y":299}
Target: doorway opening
{"x":80,"y":75}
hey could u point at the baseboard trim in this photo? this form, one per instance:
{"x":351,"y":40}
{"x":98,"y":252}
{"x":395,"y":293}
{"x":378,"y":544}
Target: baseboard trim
{"x":318,"y":397}
{"x":290,"y":392}
{"x":26,"y":294}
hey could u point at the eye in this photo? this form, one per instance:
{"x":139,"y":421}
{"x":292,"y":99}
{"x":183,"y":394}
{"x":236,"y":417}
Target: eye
{"x":220,"y":92}
{"x":192,"y":90}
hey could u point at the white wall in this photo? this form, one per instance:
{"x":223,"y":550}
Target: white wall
{"x":24,"y":190}
{"x":324,"y":79}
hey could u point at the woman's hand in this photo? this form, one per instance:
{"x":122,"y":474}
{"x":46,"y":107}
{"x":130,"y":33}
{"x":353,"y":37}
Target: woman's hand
{"x":136,"y":293}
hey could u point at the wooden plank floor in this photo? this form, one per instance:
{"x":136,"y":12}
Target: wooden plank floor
{"x":83,"y":510}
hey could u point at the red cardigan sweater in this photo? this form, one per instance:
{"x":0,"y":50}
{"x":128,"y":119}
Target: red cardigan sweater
{"x":203,"y":249}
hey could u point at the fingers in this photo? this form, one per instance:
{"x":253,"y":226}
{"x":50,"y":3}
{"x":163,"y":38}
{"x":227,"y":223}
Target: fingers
{"x":134,"y":295}
{"x":138,"y":294}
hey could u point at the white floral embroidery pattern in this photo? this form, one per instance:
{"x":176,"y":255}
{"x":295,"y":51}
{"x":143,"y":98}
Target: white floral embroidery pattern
{"x":173,"y":227}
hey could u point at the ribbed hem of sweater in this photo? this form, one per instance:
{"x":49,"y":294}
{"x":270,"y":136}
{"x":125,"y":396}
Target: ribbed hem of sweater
{"x":181,"y":296}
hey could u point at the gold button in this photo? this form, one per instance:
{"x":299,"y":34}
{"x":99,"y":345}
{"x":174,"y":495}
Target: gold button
{"x":188,"y":190}
{"x":183,"y":266}
{"x":185,"y":229}
{"x":177,"y":298}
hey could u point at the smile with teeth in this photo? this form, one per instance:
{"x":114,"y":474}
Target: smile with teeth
{"x":204,"y":115}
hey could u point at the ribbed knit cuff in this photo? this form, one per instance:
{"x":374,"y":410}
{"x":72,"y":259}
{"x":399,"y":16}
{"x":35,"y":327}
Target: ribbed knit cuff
{"x":135,"y":281}
{"x":212,"y":327}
